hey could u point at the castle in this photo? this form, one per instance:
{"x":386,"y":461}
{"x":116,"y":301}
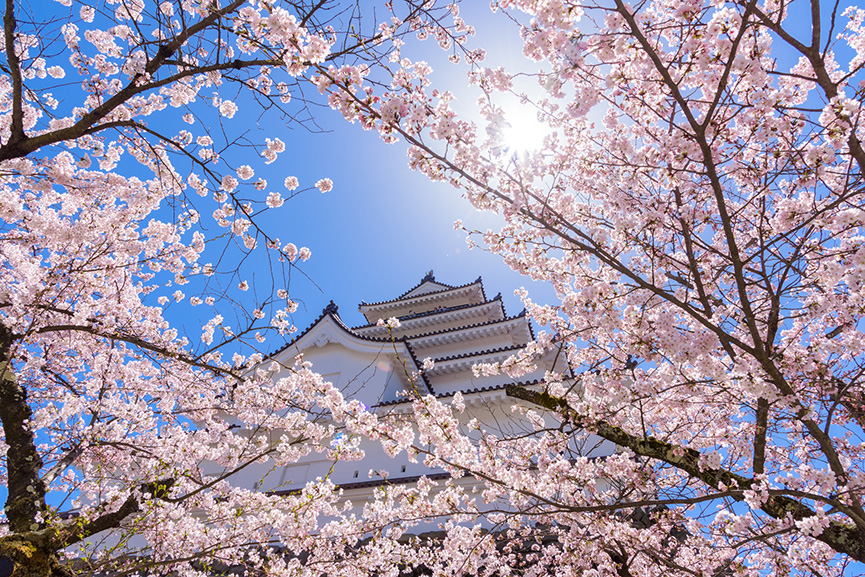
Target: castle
{"x":456,"y":327}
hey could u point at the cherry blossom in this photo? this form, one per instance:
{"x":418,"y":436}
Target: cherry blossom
{"x":228,"y":109}
{"x":119,"y":432}
{"x":245,"y":172}
{"x":274,"y":200}
{"x":696,"y":203}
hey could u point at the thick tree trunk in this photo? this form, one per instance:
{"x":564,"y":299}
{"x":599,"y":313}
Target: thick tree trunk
{"x":29,"y":550}
{"x":29,"y":555}
{"x":26,"y":498}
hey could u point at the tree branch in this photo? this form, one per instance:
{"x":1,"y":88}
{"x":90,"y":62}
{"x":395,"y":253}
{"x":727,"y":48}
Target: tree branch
{"x":157,"y":490}
{"x":17,"y":125}
{"x":142,"y":344}
{"x":22,"y":146}
{"x":842,"y":537}
{"x":760,"y":430}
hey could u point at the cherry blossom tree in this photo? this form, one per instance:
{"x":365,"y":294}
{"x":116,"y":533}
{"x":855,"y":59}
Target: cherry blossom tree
{"x":113,"y":150}
{"x":697,"y":203}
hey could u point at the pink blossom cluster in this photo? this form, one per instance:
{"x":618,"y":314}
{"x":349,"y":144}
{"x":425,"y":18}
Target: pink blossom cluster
{"x":696,"y":205}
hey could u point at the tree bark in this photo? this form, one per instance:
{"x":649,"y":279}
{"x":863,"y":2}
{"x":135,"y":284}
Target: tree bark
{"x":30,"y":555}
{"x":26,"y":498}
{"x":27,"y":551}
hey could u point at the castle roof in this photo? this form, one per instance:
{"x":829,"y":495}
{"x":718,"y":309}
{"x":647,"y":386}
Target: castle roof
{"x":425,"y":294}
{"x":478,"y":330}
{"x":466,"y":392}
{"x":318,"y":335}
{"x":455,"y":325}
{"x":441,"y":315}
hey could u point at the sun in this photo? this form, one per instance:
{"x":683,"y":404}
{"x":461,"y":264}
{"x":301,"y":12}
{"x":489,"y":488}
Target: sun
{"x":522,"y":132}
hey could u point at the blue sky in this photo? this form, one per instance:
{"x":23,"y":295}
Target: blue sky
{"x":378,"y":231}
{"x":383,"y":226}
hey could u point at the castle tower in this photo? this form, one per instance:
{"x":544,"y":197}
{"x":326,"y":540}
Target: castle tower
{"x":456,"y":326}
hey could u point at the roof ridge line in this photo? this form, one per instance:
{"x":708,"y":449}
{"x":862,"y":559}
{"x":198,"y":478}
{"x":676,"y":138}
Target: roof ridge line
{"x":331,"y":310}
{"x":369,"y":483}
{"x":472,"y":391}
{"x":439,"y":311}
{"x":450,"y":288}
{"x":327,"y":311}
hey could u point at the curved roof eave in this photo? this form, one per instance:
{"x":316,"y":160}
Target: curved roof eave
{"x":432,"y":313}
{"x":481,"y":353}
{"x":472,"y":391}
{"x":347,"y":338}
{"x":470,"y":327}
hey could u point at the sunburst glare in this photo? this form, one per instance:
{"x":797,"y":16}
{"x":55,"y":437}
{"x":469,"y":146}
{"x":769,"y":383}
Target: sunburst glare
{"x":522,"y":133}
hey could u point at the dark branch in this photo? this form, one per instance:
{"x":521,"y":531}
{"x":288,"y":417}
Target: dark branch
{"x":842,"y":537}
